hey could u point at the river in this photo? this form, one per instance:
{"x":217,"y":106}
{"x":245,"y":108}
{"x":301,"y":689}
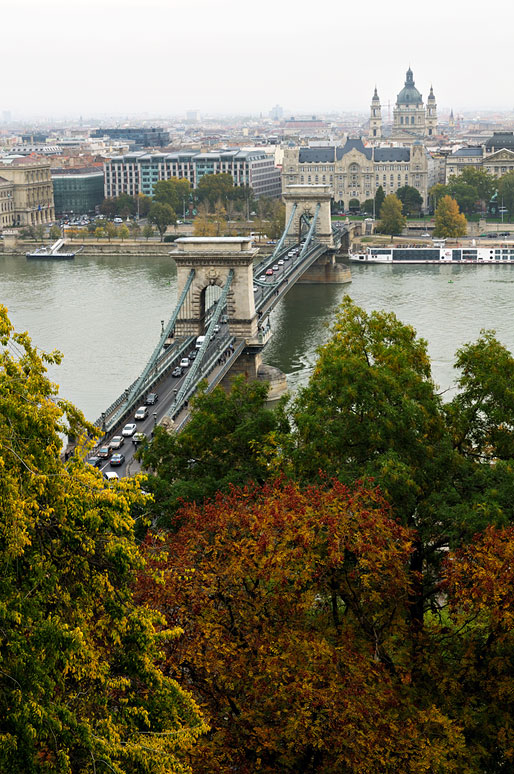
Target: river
{"x":104,"y":314}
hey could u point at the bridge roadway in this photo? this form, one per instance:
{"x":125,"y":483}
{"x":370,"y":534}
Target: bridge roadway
{"x":221,"y":354}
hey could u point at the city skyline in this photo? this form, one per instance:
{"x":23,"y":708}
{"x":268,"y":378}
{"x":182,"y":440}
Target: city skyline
{"x":121,"y":57}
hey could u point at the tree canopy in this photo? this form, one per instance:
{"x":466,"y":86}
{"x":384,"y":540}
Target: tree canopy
{"x":162,"y":216}
{"x":175,"y":192}
{"x":506,"y":191}
{"x":410,"y":198}
{"x":81,"y":688}
{"x":391,"y":219}
{"x":449,"y":222}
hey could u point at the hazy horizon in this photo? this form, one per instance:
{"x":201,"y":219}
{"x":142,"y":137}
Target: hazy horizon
{"x":107,"y":58}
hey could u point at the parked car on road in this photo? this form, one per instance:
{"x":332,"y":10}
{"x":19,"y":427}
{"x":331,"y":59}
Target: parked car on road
{"x":129,"y":429}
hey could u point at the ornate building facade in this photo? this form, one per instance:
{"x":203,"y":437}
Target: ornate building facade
{"x":412,"y":120}
{"x":355,"y":171}
{"x":31,"y":200}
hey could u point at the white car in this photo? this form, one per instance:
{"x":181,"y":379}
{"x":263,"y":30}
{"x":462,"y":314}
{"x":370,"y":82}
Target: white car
{"x":117,"y":442}
{"x":141,"y":413}
{"x":110,"y":475}
{"x":280,"y":262}
{"x":426,"y":234}
{"x":184,"y":363}
{"x":129,"y":430}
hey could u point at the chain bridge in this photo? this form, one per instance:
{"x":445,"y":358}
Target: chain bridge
{"x":225,"y":297}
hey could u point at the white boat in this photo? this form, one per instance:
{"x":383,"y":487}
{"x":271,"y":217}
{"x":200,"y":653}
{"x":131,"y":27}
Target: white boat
{"x":437,"y":253}
{"x":53,"y":252}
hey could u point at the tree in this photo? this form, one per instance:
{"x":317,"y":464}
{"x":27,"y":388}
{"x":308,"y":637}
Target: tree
{"x":111,"y":230}
{"x":174,"y":192}
{"x":465,"y":195}
{"x":506,"y":191}
{"x":143,"y":204}
{"x":484,"y":183}
{"x":354,"y":205}
{"x":449,"y":222}
{"x":224,"y":444}
{"x":292,"y":604}
{"x":278,"y":220}
{"x":99,"y":232}
{"x":135,"y":229}
{"x":109,"y":207}
{"x":55,"y":232}
{"x":81,"y":688}
{"x":379,"y":200}
{"x":162,"y":215}
{"x":436,"y":193}
{"x":372,"y":412}
{"x":213,"y":188}
{"x":147,"y":231}
{"x":391,"y":219}
{"x":123,"y":232}
{"x":410,"y":198}
{"x":368,"y":206}
{"x":39,"y":231}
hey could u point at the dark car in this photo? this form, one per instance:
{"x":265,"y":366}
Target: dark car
{"x":151,"y":398}
{"x":192,"y":354}
{"x":104,"y":452}
{"x":117,"y":459}
{"x":177,"y":371}
{"x":95,"y":461}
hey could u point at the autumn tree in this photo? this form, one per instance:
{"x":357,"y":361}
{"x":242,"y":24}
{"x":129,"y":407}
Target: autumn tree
{"x":449,"y":222}
{"x":214,"y":188}
{"x":81,"y":688}
{"x":391,"y":219}
{"x":292,"y":604}
{"x":148,"y":231}
{"x":55,"y":232}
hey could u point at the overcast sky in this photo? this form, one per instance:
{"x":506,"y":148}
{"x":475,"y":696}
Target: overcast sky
{"x":163,"y":57}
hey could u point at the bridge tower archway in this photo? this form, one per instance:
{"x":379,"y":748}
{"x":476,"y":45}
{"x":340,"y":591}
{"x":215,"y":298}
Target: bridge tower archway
{"x":213,"y":258}
{"x":306,"y":198}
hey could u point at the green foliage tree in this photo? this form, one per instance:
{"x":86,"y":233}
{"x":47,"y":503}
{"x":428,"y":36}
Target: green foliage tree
{"x":277,"y":221}
{"x":39,"y":231}
{"x":354,"y":205}
{"x":81,"y":689}
{"x":135,"y":229}
{"x":162,"y":216}
{"x":109,"y":207}
{"x":228,"y":441}
{"x":465,"y":195}
{"x":506,"y":191}
{"x":436,"y":193}
{"x":391,"y":219}
{"x":147,"y":231}
{"x":143,"y":204}
{"x":55,"y":232}
{"x":174,"y":192}
{"x":410,"y":198}
{"x":484,"y":183}
{"x":214,"y":188}
{"x":379,"y":200}
{"x":449,"y":222}
{"x":367,"y":207}
{"x":99,"y":232}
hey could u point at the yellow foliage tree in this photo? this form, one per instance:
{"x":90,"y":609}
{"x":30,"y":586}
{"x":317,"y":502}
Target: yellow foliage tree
{"x":449,"y":221}
{"x":80,"y":685}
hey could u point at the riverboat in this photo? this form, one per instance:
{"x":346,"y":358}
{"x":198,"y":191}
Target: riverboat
{"x":437,"y":253}
{"x":47,"y":252}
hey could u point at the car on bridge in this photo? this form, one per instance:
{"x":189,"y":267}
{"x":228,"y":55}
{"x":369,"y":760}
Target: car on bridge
{"x":141,"y":413}
{"x":117,"y":459}
{"x":177,"y":371}
{"x":151,"y":398}
{"x":262,"y":278}
{"x":117,"y":442}
{"x":274,"y":267}
{"x":280,"y":262}
{"x":129,"y":430}
{"x":269,"y":271}
{"x":184,"y":363}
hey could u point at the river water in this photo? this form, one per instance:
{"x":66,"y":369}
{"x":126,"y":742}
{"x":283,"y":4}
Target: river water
{"x":104,"y":314}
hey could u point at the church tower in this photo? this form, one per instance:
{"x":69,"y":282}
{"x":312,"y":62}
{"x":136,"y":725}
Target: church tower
{"x":375,"y":121}
{"x":431,"y":119}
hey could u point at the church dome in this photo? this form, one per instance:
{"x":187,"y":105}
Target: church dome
{"x":409,"y":95}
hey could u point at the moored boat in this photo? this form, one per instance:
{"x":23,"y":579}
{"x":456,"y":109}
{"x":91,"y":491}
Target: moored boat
{"x":436,"y":253}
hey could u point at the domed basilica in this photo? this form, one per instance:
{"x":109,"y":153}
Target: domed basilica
{"x":412,"y":120}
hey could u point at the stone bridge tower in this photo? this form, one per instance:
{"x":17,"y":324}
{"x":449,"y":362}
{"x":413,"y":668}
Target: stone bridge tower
{"x":212,"y":258}
{"x":306,"y":198}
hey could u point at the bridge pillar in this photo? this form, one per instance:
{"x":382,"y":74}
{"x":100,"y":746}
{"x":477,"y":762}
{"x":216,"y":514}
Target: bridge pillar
{"x":306,"y":198}
{"x":212,"y":258}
